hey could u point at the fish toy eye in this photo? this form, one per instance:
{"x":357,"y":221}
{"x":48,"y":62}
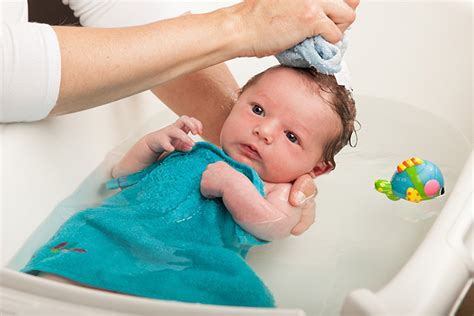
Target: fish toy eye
{"x":432,"y":188}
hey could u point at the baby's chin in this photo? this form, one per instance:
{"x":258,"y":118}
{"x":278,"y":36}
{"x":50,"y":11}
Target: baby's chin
{"x":264,"y":174}
{"x":275,"y":177}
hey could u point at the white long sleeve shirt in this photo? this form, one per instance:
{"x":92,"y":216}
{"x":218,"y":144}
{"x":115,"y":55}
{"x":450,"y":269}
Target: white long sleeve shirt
{"x":30,"y":65}
{"x":30,"y":60}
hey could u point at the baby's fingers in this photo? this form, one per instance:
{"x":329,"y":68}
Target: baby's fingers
{"x":158,"y":141}
{"x":180,"y":140}
{"x":198,"y":124}
{"x":189,"y":124}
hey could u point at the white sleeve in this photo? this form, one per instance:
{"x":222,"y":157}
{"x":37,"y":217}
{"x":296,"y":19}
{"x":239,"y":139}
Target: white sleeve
{"x":30,"y":68}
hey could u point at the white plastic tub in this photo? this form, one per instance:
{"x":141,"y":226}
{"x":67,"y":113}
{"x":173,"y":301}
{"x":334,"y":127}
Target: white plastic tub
{"x":411,"y":65}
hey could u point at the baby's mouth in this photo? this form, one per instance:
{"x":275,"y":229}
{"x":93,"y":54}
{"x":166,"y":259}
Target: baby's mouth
{"x":250,"y":152}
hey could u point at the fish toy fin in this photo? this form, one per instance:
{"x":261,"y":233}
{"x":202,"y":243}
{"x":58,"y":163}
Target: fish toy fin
{"x":385,"y":187}
{"x":409,"y":163}
{"x":413,"y":196}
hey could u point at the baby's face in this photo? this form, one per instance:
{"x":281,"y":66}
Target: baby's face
{"x":279,"y":127}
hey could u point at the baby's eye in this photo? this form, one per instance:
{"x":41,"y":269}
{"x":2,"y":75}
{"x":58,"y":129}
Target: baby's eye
{"x":257,"y":109}
{"x":292,"y":137}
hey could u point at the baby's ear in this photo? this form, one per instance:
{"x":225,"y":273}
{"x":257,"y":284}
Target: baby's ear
{"x":321,"y":168}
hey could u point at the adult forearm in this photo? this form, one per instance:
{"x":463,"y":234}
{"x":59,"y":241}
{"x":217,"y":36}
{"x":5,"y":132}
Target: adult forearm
{"x":207,"y":95}
{"x":103,"y":65}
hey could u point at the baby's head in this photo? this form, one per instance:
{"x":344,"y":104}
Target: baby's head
{"x":287,"y":122}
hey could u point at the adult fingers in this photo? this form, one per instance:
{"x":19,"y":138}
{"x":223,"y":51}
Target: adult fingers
{"x":342,"y":13}
{"x":339,"y":11}
{"x":352,"y":3}
{"x":303,"y":189}
{"x":329,"y":30}
{"x":308,"y":216}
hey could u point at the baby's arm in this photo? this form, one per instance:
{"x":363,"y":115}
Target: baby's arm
{"x":149,"y":148}
{"x":266,"y":218}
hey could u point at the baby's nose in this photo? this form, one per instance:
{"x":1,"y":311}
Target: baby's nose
{"x":263,"y":134}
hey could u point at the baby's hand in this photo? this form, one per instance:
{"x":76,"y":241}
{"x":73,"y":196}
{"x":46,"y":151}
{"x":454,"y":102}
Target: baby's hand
{"x":216,"y":177}
{"x":174,"y":137}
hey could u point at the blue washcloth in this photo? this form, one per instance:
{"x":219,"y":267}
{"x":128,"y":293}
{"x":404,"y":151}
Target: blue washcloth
{"x":315,"y":52}
{"x":160,"y":238}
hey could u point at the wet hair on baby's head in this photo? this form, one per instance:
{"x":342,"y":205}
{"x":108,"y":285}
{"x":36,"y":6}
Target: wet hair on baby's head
{"x":341,"y":103}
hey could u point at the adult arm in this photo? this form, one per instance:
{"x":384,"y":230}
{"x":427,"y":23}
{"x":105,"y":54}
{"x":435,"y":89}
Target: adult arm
{"x":103,"y":65}
{"x":207,"y":95}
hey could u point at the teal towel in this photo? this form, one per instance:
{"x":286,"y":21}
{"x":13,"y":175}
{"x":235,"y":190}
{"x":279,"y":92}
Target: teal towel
{"x":160,"y":238}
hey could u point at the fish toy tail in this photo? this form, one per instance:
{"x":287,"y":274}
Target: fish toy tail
{"x":385,"y":187}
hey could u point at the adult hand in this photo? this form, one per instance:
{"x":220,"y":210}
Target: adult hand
{"x":302,"y":194}
{"x":271,"y":26}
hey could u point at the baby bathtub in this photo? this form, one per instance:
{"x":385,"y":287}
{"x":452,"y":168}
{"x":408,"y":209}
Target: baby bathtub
{"x":365,"y":255}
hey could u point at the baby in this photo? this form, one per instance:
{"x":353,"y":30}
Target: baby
{"x":181,"y":225}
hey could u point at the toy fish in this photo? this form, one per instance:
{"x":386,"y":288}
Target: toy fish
{"x":415,"y":180}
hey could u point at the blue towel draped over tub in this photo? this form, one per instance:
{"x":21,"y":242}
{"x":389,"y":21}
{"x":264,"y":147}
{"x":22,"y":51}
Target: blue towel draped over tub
{"x":160,"y":238}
